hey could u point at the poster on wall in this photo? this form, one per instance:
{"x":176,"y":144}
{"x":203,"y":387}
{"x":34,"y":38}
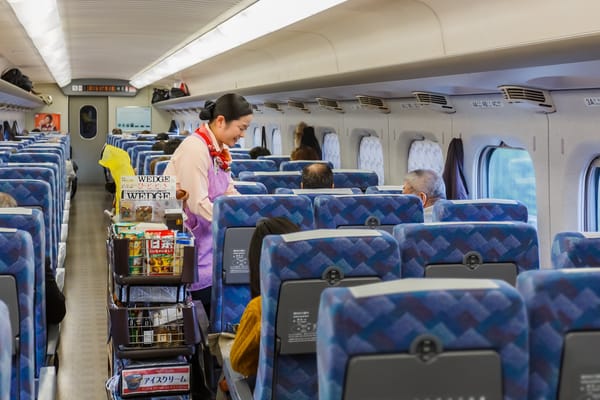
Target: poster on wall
{"x":47,"y":122}
{"x":132,"y":119}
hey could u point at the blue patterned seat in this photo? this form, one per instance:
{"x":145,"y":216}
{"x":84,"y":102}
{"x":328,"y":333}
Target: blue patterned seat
{"x":385,"y":325}
{"x":387,"y":189}
{"x":444,"y":249}
{"x":234,"y":219}
{"x":564,"y":331}
{"x":298,"y":165}
{"x":6,"y":348}
{"x":297,"y":267}
{"x":236,"y":155}
{"x":576,"y":250}
{"x":378,"y":211}
{"x":160,"y":167}
{"x":36,"y":158}
{"x":273,"y":180}
{"x":16,"y":260}
{"x":42,"y":172}
{"x":250,"y":187}
{"x":141,"y":162}
{"x":135,"y":151}
{"x":277,"y":159}
{"x":146,"y":169}
{"x":32,"y":222}
{"x":359,"y":178}
{"x":238,"y":166}
{"x":35,"y":193}
{"x":479,"y":210}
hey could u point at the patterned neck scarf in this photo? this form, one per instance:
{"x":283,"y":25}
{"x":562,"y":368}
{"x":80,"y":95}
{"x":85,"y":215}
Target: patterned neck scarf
{"x":221,"y":158}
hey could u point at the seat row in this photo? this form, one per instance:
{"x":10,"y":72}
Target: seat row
{"x":34,"y":173}
{"x":325,"y":337}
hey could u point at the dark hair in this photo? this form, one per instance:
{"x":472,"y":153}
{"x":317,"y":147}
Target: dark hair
{"x":304,"y":153}
{"x":264,"y":227}
{"x":231,"y":106}
{"x":317,"y":176}
{"x":49,"y":116}
{"x":160,"y":145}
{"x":309,"y":139}
{"x":162,"y":136}
{"x":258,"y":151}
{"x":171,"y":146}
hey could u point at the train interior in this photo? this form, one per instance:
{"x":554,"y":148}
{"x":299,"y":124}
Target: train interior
{"x":502,"y":93}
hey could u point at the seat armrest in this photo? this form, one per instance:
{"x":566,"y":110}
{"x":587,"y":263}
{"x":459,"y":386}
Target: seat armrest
{"x":237,"y":383}
{"x":47,"y":384}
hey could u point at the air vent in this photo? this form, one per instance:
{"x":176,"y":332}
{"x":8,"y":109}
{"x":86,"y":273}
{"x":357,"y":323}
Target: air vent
{"x":273,"y":106}
{"x":373,"y":103}
{"x":330,"y":104}
{"x":536,"y":99}
{"x":256,"y":109}
{"x":298,"y":105}
{"x":434,"y":101}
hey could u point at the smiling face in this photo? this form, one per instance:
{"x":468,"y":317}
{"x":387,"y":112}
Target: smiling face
{"x":230,"y":132}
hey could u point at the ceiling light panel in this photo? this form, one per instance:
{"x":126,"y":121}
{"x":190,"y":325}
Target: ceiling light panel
{"x":259,"y":19}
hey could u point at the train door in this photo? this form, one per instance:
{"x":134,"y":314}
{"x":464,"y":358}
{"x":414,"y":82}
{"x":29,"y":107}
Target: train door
{"x":88,"y":124}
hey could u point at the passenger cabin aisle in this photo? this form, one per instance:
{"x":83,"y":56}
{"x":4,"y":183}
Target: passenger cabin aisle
{"x":82,"y":351}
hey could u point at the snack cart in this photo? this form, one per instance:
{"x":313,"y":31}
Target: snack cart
{"x":153,"y":329}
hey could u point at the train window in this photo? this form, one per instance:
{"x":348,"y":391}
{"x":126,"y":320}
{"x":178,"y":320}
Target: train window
{"x":370,"y":156}
{"x":331,"y":149}
{"x":88,"y":122}
{"x":425,"y":154}
{"x":276,"y":140}
{"x":592,"y":197}
{"x":507,"y":173}
{"x":257,"y":136}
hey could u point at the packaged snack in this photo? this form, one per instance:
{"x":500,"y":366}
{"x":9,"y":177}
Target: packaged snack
{"x":119,"y":227}
{"x":160,"y":246}
{"x":126,"y":211}
{"x":143,"y":213}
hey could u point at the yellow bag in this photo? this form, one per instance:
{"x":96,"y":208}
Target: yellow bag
{"x":118,"y":162}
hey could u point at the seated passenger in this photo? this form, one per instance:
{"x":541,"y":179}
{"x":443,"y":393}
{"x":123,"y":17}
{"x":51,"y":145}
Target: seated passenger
{"x":158,"y":146}
{"x":310,"y":140}
{"x":428,"y":185}
{"x":317,"y":176}
{"x":55,"y":300}
{"x":244,"y":352}
{"x":258,"y":151}
{"x":304,"y":153}
{"x":168,"y":149}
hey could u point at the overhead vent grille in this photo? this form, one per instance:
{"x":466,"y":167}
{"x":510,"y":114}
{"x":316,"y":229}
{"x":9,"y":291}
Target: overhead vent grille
{"x":273,"y":106}
{"x":536,"y":99}
{"x":434,"y":101}
{"x":298,"y":105}
{"x":256,"y":109}
{"x":373,"y":103}
{"x":330,"y":104}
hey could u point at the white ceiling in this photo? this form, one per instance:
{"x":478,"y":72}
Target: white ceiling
{"x":118,"y":38}
{"x":111,"y":38}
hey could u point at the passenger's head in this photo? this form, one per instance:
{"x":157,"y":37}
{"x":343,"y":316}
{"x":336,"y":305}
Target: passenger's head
{"x":304,"y":153}
{"x":6,"y":200}
{"x":258,"y":151}
{"x":298,"y":134}
{"x":229,"y":117}
{"x":117,"y":131}
{"x":171,"y":145}
{"x":317,"y":176}
{"x":185,"y":132}
{"x":426,"y":184}
{"x":162,"y":136}
{"x":160,"y":145}
{"x":264,"y":227}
